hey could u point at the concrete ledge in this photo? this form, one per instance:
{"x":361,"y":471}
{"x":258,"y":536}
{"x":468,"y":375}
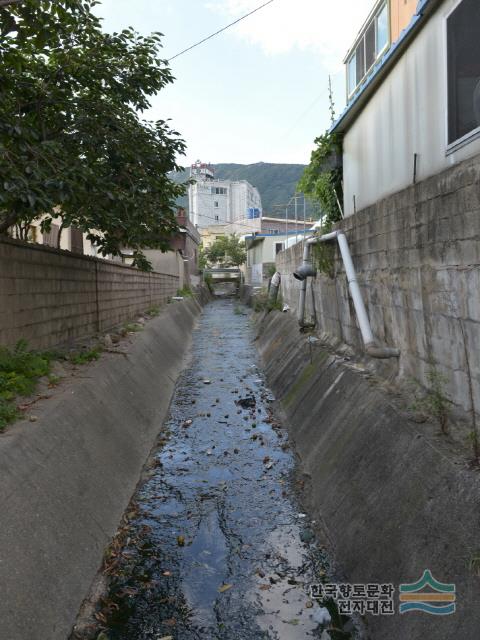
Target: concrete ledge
{"x":393,"y":503}
{"x":66,"y":479}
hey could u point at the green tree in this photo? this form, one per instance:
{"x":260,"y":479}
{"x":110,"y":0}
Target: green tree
{"x":72,"y":139}
{"x":227,"y":250}
{"x":322,"y":178}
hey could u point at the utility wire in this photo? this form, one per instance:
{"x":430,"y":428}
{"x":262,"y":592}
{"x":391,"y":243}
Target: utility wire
{"x":220,"y":31}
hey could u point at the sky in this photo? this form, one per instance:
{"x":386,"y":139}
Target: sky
{"x":257,"y":92}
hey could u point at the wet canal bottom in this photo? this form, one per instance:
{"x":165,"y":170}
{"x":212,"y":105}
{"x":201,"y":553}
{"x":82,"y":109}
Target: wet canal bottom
{"x":213,"y":545}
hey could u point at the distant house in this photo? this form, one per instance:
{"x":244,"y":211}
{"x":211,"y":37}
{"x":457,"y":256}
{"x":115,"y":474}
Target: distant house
{"x":413,"y":96}
{"x":182,"y":258}
{"x":262,"y":250}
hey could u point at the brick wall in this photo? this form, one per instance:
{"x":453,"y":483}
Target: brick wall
{"x":50,"y":297}
{"x":417,"y":255}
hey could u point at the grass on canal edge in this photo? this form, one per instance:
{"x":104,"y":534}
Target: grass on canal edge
{"x":22,"y":368}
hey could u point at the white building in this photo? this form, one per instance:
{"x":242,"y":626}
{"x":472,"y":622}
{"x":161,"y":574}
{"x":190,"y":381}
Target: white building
{"x":221,"y":202}
{"x":413,"y":96}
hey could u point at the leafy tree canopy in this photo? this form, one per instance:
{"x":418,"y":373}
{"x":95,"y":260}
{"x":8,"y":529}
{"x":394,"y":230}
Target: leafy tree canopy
{"x":226,"y":250}
{"x":72,"y":140}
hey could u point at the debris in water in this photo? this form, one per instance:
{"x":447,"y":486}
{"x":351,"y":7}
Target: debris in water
{"x":181,"y":541}
{"x":249,"y":402}
{"x":225,"y":587}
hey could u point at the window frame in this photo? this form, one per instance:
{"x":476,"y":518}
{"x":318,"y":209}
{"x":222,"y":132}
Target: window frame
{"x":474,"y":134}
{"x":361,"y":40}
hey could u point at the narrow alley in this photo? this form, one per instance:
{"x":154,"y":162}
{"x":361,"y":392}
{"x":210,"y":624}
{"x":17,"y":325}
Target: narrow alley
{"x":216,"y":546}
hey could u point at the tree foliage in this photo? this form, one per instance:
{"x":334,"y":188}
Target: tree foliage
{"x":226,"y":250}
{"x":322,"y":178}
{"x":72,"y":139}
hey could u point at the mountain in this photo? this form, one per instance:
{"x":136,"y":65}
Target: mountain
{"x":275,"y":182}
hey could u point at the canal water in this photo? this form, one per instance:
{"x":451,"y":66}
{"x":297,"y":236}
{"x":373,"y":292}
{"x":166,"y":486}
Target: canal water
{"x":214,"y":545}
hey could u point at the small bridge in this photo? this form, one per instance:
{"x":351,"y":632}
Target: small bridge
{"x":224,"y":274}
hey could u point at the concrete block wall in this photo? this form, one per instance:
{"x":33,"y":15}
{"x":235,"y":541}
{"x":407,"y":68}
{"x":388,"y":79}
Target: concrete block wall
{"x":417,"y":255}
{"x":50,"y":297}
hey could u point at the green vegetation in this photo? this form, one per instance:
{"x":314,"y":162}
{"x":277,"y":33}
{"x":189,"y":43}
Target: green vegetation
{"x":74,"y":146}
{"x":226,"y":250}
{"x":474,"y":564}
{"x":208,"y":280}
{"x":261,"y":302}
{"x":131,"y":327}
{"x":434,"y":402}
{"x":323,"y":254}
{"x":185,"y":292}
{"x":20,"y":370}
{"x":322,"y":178}
{"x":153,"y":311}
{"x":83,"y":357}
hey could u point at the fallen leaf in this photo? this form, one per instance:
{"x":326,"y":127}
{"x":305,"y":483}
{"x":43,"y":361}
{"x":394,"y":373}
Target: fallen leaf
{"x":225,"y":587}
{"x":181,"y":541}
{"x":171,"y":622}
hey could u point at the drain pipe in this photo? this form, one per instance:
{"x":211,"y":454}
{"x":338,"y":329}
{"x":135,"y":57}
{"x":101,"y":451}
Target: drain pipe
{"x":307,"y":270}
{"x":274,"y":287}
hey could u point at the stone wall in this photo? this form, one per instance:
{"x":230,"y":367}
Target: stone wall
{"x":417,"y":256}
{"x":50,"y":297}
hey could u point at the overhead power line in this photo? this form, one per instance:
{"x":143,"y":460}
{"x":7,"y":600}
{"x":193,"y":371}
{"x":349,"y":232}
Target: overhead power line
{"x":220,"y":30}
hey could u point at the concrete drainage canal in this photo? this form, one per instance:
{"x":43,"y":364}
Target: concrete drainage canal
{"x":214,"y":544}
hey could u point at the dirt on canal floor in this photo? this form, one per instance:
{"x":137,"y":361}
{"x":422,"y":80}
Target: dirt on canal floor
{"x":214,"y":544}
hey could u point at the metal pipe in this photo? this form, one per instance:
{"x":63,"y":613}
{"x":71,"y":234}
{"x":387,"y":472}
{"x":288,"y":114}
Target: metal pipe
{"x":307,"y":270}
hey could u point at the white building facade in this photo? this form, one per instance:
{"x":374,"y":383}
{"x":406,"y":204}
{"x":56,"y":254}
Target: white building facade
{"x":418,"y":111}
{"x":213,"y":201}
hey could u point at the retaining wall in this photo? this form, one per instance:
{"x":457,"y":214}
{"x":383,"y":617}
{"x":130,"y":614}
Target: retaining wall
{"x":390,"y":496}
{"x":417,"y":256}
{"x":50,"y":297}
{"x":66,"y":479}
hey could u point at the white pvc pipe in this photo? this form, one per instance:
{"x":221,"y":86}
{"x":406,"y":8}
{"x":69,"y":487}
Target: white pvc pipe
{"x":371,"y":346}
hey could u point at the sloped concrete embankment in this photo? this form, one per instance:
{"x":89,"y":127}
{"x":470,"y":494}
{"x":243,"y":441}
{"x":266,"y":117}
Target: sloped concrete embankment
{"x":66,"y":479}
{"x":392,"y":502}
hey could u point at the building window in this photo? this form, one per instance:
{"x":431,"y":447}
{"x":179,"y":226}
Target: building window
{"x":219,"y":191}
{"x":463,"y":45}
{"x":215,"y":204}
{"x":278,"y":247}
{"x":216,"y":218}
{"x":370,"y":46}
{"x":382,"y":30}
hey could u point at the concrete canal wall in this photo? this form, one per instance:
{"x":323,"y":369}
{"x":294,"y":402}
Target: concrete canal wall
{"x":66,"y":479}
{"x":392,"y":498}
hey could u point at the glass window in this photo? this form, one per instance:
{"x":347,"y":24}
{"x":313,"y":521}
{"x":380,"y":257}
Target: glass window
{"x":360,"y":55}
{"x":463,"y":29}
{"x":370,"y":53}
{"x":382,"y":29}
{"x":215,"y":204}
{"x":352,"y":75}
